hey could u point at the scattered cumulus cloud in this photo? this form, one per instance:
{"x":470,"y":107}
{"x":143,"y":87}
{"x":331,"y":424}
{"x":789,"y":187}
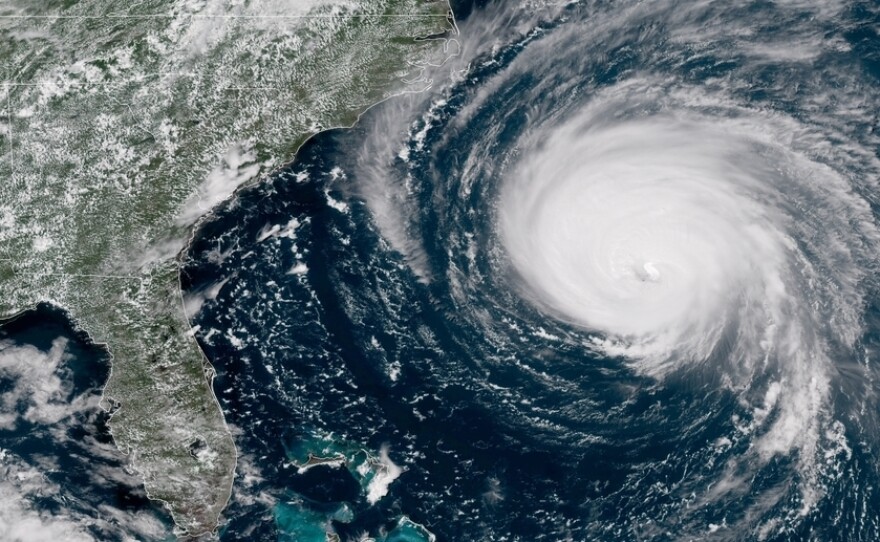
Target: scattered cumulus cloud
{"x":40,"y":393}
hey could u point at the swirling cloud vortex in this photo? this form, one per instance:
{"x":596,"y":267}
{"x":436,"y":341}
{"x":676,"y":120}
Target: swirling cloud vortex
{"x":673,"y":234}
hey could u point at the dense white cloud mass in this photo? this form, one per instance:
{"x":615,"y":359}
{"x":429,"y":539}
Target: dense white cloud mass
{"x":40,"y":393}
{"x":674,"y":238}
{"x":662,"y":232}
{"x":35,"y":506}
{"x":674,"y":205}
{"x":20,"y":521}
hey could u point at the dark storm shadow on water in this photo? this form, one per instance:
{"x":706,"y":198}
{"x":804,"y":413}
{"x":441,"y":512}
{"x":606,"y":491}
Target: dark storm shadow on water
{"x":465,"y":443}
{"x":514,"y":476}
{"x":509,"y":469}
{"x":241,"y":378}
{"x":865,"y":36}
{"x":463,"y":8}
{"x":95,"y":485}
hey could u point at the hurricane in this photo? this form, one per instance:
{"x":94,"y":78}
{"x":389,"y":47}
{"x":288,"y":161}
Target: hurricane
{"x":612,"y":275}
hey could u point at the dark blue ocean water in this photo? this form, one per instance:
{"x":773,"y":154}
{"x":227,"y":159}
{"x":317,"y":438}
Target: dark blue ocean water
{"x":486,"y":417}
{"x":329,"y":341}
{"x":62,"y":474}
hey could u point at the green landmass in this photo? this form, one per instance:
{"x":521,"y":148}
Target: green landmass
{"x":121,"y":125}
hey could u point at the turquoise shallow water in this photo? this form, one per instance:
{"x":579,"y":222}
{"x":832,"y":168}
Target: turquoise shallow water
{"x":369,"y":301}
{"x":372,"y":303}
{"x":387,"y":353}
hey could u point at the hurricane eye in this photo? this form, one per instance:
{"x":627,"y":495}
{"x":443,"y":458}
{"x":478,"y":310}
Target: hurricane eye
{"x":611,"y":273}
{"x":649,"y":272}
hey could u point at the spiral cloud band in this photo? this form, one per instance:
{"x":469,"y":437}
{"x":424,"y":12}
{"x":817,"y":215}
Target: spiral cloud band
{"x":663,"y":233}
{"x":674,"y":238}
{"x":613,"y":276}
{"x":647,"y":251}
